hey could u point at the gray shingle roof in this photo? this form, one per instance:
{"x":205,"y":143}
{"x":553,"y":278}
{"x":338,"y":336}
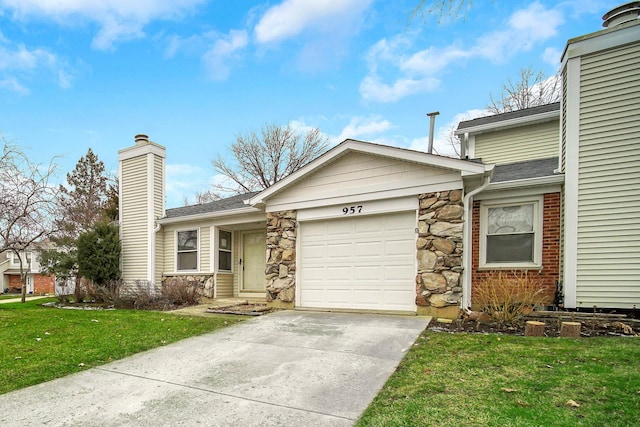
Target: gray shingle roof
{"x":525,"y":170}
{"x":510,"y":115}
{"x":235,"y":202}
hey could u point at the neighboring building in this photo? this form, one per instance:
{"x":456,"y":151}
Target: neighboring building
{"x":37,"y":281}
{"x":552,"y":190}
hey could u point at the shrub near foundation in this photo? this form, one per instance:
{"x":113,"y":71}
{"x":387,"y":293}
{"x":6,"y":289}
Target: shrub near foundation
{"x":508,"y":296}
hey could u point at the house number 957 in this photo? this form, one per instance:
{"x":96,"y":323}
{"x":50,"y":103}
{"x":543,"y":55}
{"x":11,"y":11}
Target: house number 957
{"x":350,"y":210}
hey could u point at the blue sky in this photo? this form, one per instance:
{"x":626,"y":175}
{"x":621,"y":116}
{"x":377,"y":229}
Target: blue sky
{"x":192,"y":74}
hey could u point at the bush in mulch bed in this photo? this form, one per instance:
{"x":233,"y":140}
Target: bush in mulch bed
{"x":592,"y":325}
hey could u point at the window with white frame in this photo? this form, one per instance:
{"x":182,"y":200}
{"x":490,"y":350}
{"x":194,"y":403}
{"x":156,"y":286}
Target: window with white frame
{"x":224,"y":250}
{"x":187,"y":250}
{"x":511,"y":234}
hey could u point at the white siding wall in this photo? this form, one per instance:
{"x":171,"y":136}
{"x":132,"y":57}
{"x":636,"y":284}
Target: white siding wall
{"x":608,"y":253}
{"x":536,"y":141}
{"x":134,"y":219}
{"x":365,"y":177}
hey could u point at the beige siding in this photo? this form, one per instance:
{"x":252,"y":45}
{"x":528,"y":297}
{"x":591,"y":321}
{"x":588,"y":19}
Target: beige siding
{"x":158,"y":200}
{"x":205,"y":249}
{"x":224,"y":285}
{"x":133,"y":218}
{"x":608,"y":252}
{"x":236,"y":263}
{"x":537,"y":141}
{"x":360,"y":174}
{"x":169,"y":250}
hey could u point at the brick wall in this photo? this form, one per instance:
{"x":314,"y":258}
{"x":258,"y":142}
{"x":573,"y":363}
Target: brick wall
{"x":42,"y":284}
{"x":550,"y":272}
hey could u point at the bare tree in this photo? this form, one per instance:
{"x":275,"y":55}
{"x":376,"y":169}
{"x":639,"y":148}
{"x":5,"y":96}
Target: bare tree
{"x":27,"y":204}
{"x":531,"y":90}
{"x":260,"y":159}
{"x":443,"y":9}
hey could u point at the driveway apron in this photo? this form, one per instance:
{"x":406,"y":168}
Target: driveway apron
{"x":289,"y":368}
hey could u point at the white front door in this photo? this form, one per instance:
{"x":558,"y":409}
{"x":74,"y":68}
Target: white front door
{"x":29,"y":284}
{"x":254,"y":250}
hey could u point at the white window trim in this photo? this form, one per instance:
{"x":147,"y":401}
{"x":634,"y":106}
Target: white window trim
{"x":175,"y":250}
{"x":538,"y":216}
{"x":216,"y":246}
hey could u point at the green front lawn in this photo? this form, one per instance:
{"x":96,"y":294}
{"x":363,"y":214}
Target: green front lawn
{"x":38,"y":344}
{"x":499,"y":380}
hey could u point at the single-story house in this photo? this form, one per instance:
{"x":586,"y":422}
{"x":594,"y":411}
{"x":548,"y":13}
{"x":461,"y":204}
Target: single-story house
{"x":553,"y":190}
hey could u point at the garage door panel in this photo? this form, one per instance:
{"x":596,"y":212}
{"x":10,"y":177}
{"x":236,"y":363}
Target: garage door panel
{"x":366,"y":262}
{"x":365,"y":224}
{"x":398,"y":248}
{"x":338,"y":250}
{"x":368,"y":249}
{"x":371,"y":272}
{"x":312,"y":252}
{"x":337,"y":273}
{"x":393,"y":273}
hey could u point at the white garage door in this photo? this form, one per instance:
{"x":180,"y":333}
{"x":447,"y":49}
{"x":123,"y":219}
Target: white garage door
{"x":360,"y":262}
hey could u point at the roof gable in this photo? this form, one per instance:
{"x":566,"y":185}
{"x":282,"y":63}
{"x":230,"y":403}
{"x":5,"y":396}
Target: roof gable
{"x":463,"y":167}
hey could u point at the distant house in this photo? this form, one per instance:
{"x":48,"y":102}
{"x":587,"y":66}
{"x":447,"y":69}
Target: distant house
{"x":37,"y":281}
{"x":552,"y":190}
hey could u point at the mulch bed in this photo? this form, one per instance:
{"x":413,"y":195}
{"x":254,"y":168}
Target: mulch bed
{"x":592,"y":325}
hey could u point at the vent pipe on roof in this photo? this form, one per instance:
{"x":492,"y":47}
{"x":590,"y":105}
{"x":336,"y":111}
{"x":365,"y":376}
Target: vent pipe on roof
{"x":141,"y":139}
{"x":621,"y":14}
{"x":432,"y":125}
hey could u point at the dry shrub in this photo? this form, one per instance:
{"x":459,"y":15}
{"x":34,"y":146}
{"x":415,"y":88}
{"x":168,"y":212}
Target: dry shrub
{"x":508,"y":296}
{"x":143,"y":295}
{"x":178,"y":291}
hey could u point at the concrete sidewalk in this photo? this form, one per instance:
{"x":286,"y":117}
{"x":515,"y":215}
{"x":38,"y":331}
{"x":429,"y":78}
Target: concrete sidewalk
{"x":288,"y":368}
{"x":19,"y":298}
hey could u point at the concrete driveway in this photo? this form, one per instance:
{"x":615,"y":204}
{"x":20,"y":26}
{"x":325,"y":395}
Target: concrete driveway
{"x":289,"y":368}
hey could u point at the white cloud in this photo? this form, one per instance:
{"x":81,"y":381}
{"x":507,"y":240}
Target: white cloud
{"x":119,"y":20}
{"x":217,"y":58}
{"x":418,"y":71}
{"x":371,"y":126}
{"x":19,"y":60}
{"x":552,"y":56}
{"x":292,"y":17}
{"x":373,"y":89}
{"x":183,"y":182}
{"x":12,"y":84}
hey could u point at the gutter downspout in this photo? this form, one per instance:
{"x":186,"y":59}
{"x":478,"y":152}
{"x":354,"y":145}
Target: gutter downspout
{"x":466,"y":242}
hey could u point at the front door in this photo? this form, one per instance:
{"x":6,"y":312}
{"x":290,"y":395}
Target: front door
{"x":29,"y":284}
{"x":254,"y":249}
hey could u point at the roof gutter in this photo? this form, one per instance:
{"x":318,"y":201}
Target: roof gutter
{"x":519,"y":121}
{"x":529,"y":182}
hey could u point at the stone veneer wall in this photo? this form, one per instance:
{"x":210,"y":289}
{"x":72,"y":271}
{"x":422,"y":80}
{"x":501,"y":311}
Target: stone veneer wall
{"x":281,"y":256}
{"x":204,"y":283}
{"x":439,"y":249}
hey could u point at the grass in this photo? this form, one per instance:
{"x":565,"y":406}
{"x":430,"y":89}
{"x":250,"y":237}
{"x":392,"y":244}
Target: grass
{"x":39,"y":344}
{"x":500,"y":380}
